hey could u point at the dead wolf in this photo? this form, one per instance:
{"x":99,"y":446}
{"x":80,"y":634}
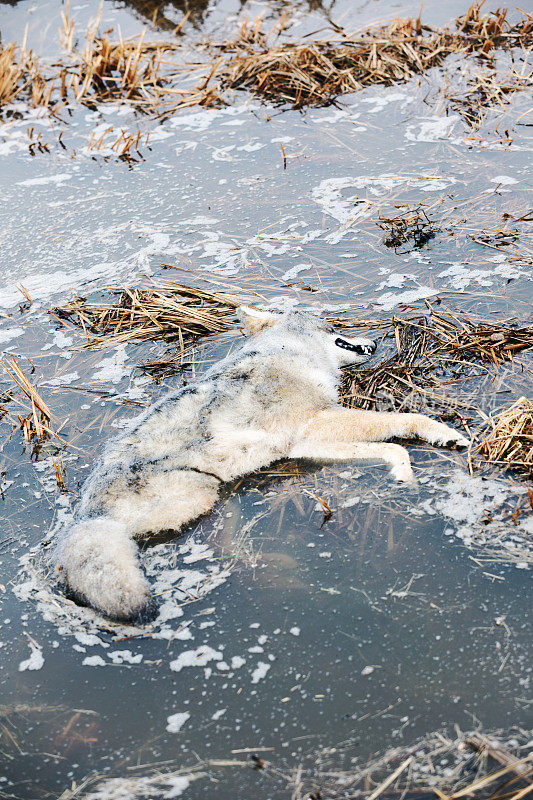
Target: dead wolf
{"x":274,"y":397}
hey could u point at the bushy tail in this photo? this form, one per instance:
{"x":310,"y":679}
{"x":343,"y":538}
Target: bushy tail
{"x":99,"y":563}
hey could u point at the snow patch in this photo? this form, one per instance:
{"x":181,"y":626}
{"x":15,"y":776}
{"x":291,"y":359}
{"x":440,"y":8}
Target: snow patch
{"x":260,"y":672}
{"x":176,"y":721}
{"x":195,"y":658}
{"x":35,"y":660}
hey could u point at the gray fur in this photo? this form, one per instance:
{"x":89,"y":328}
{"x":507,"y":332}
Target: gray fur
{"x":273,"y":397}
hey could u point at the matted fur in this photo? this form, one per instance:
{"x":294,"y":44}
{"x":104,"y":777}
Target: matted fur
{"x":274,"y":397}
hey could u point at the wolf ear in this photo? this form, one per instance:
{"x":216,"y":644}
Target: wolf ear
{"x":256,"y":321}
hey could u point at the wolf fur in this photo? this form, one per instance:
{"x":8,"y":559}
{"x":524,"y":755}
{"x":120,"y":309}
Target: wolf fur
{"x":274,"y":397}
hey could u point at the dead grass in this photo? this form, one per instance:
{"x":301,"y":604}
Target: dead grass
{"x":509,"y":440}
{"x":409,"y":772}
{"x":124,"y":147}
{"x":442,"y":765}
{"x":68,"y":728}
{"x":132,"y":70}
{"x":167,"y":311}
{"x":511,"y":236}
{"x":35,"y":417}
{"x":491,"y":89}
{"x":410,"y":229}
{"x":435,"y":347}
{"x":136,"y":71}
{"x":140,"y":72}
{"x":319,"y":72}
{"x":20,"y":74}
{"x":36,"y":425}
{"x":67,"y":29}
{"x":125,"y":70}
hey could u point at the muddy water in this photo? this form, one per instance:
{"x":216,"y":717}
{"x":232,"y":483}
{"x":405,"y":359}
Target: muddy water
{"x":280,"y":629}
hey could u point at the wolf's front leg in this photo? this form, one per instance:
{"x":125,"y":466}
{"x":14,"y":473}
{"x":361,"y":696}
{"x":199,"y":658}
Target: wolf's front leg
{"x":394,"y":455}
{"x":349,"y":424}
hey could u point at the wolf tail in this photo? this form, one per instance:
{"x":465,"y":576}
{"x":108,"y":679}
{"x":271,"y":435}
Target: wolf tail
{"x":99,"y":562}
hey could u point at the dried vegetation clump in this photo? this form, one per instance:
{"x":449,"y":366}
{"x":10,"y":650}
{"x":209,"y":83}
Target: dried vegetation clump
{"x":131,"y":70}
{"x":433,"y":348}
{"x":440,"y":765}
{"x":490,"y":89}
{"x":313,"y":73}
{"x":167,"y":311}
{"x":20,"y":75}
{"x":509,"y":439}
{"x":319,"y":72}
{"x":35,"y":425}
{"x":22,"y":407}
{"x":123,"y":70}
{"x":410,"y":229}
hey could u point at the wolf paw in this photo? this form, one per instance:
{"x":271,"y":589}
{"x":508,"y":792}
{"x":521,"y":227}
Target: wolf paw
{"x":403,"y":472}
{"x":448,"y":437}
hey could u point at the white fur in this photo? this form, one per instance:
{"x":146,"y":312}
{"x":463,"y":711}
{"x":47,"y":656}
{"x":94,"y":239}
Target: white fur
{"x":275,"y":397}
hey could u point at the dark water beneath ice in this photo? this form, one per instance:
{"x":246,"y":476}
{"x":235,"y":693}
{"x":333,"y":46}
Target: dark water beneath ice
{"x":375,"y":626}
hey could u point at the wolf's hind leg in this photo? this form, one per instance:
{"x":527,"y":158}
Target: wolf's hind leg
{"x":394,"y":455}
{"x":164,"y":501}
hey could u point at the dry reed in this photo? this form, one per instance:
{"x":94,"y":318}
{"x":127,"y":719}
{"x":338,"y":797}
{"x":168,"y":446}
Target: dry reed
{"x":431,"y":345}
{"x":132,"y":70}
{"x":18,"y":73}
{"x":167,"y":311}
{"x":509,"y":440}
{"x":67,"y":29}
{"x":36,"y":425}
{"x":414,"y":772}
{"x":509,"y":237}
{"x":126,"y":70}
{"x":35,"y":419}
{"x":410,"y":229}
{"x":319,"y":72}
{"x":441,"y":765}
{"x":490,"y":89}
{"x":301,"y":74}
{"x":123,"y":147}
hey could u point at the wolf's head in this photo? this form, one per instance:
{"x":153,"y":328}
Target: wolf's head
{"x":311,"y":332}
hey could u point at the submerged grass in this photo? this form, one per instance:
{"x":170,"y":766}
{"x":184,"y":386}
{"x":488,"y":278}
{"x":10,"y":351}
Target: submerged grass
{"x":411,"y":228}
{"x":442,"y":765}
{"x":489,"y":89}
{"x":508,"y":237}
